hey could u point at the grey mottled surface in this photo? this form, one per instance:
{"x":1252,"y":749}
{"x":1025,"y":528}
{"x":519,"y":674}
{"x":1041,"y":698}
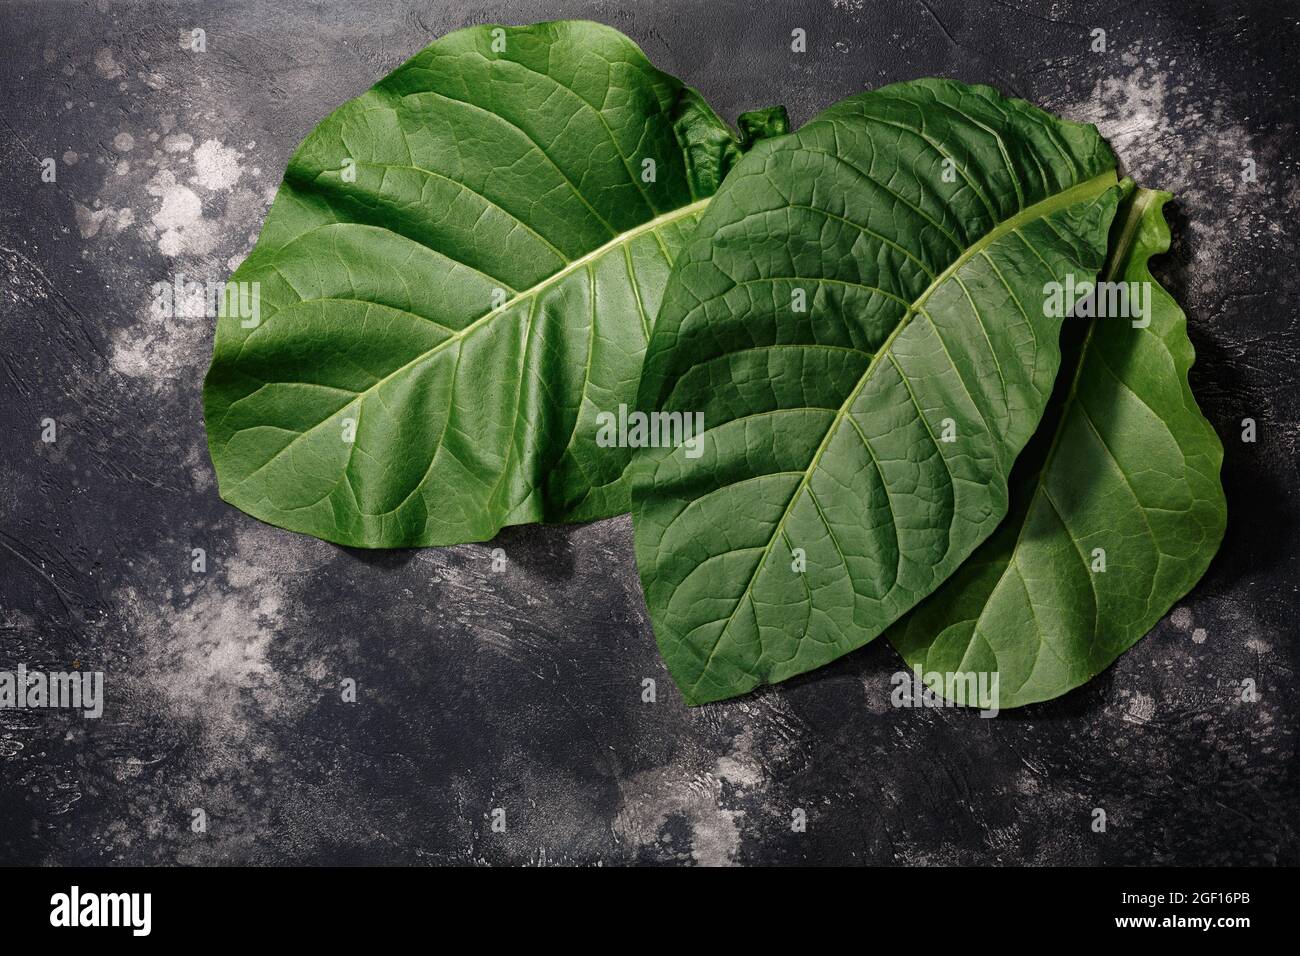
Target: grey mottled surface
{"x":522,"y":689}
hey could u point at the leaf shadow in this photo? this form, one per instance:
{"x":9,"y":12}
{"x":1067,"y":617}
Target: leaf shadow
{"x":875,"y":665}
{"x":1261,"y":527}
{"x":388,"y":559}
{"x":542,"y":549}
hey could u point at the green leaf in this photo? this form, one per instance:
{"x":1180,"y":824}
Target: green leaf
{"x":919,"y":223}
{"x":1125,"y":463}
{"x":459,"y":272}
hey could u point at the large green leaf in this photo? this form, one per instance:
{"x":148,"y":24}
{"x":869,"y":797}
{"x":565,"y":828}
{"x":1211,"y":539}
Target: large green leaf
{"x":921,"y":222}
{"x":1125,"y":471}
{"x":459,"y":272}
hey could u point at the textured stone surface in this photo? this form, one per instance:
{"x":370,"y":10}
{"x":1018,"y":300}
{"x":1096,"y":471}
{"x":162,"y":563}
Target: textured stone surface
{"x":521,"y":689}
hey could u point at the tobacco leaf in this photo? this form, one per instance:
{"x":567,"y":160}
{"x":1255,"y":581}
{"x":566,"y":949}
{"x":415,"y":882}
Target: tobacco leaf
{"x":459,"y":272}
{"x":1117,"y":508}
{"x":859,"y":318}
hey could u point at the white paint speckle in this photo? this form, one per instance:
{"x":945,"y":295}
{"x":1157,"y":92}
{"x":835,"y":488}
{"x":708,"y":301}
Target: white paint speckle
{"x":650,"y":798}
{"x":1141,"y":708}
{"x":216,"y":166}
{"x":110,"y":220}
{"x":179,"y":218}
{"x":106,"y":66}
{"x":208,"y":658}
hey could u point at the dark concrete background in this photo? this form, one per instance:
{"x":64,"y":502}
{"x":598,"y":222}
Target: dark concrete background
{"x":522,"y":689}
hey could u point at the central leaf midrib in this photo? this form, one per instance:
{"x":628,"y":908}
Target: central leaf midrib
{"x":1045,"y":207}
{"x":574,"y":266}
